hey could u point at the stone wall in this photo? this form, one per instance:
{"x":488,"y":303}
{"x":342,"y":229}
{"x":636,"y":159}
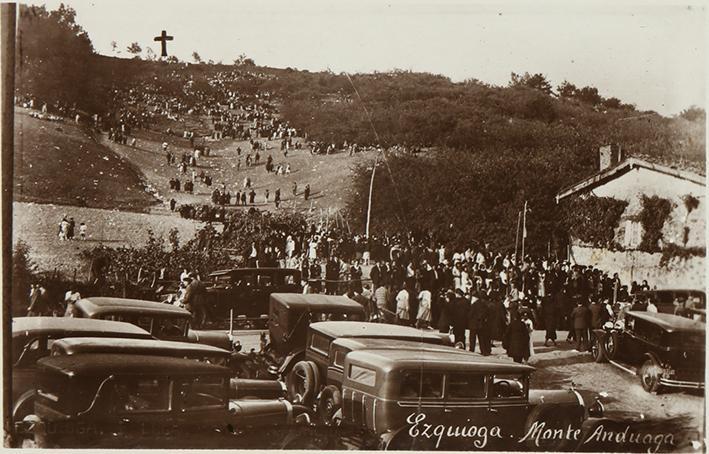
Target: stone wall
{"x":636,"y":266}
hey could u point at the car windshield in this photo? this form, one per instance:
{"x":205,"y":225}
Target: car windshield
{"x":201,"y":392}
{"x":170,"y":327}
{"x":506,"y":386}
{"x":141,"y":394}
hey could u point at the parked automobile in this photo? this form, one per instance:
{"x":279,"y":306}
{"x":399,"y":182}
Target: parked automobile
{"x":243,"y":293}
{"x":163,"y":321}
{"x":386,"y":392}
{"x":290,"y":314}
{"x":34,"y":337}
{"x":685,"y":302}
{"x":324,"y":361}
{"x":121,"y":401}
{"x":664,"y":350}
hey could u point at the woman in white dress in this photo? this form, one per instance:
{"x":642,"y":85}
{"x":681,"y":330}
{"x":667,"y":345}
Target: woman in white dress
{"x":530,"y":329}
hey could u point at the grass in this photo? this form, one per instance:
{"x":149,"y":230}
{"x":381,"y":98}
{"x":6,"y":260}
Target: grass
{"x":60,"y":163}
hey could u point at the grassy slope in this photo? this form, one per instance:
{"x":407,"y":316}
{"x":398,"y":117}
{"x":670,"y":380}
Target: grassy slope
{"x":60,"y":163}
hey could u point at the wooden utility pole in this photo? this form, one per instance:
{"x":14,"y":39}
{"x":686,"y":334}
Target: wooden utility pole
{"x":369,"y":203}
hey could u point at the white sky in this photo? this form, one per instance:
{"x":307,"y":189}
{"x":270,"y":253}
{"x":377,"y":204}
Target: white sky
{"x":649,"y":53}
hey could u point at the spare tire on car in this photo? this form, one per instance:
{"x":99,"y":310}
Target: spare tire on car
{"x":303,"y":382}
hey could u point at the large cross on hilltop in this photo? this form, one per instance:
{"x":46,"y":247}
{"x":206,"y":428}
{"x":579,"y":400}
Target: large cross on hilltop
{"x":163,"y":38}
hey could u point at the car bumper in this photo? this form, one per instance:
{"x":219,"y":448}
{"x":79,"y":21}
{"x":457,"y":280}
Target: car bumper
{"x":681,"y":383}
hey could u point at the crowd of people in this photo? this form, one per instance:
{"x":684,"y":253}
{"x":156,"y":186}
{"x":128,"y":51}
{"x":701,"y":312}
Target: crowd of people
{"x":491,"y":295}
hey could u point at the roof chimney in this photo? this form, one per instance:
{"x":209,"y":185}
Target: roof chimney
{"x":609,"y":155}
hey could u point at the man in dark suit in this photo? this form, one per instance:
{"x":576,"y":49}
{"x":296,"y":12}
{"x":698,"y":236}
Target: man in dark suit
{"x":478,"y":324}
{"x":459,"y":313}
{"x":376,"y":275}
{"x":581,"y":316}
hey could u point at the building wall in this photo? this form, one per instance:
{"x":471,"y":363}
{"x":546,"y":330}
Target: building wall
{"x":641,"y":181}
{"x":636,"y":266}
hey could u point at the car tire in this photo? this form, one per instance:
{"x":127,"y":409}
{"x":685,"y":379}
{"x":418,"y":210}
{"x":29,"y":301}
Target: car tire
{"x":597,"y":350}
{"x":611,"y":345}
{"x":649,"y":374}
{"x":329,"y":403}
{"x":302,"y":383}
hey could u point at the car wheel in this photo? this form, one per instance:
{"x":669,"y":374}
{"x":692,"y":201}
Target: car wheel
{"x":611,"y":344}
{"x":597,"y":351}
{"x":650,"y":373}
{"x":302,"y":383}
{"x":328,"y":405}
{"x":24,"y":406}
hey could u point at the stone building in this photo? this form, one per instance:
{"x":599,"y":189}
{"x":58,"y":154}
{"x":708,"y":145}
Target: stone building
{"x":631,"y":180}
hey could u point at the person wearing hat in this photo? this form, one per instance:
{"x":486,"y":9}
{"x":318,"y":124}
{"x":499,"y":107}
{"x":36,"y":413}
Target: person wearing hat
{"x":478,"y":324}
{"x":444,"y":317}
{"x":516,"y":339}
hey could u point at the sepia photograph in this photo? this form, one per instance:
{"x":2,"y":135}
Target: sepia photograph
{"x":359,"y":225}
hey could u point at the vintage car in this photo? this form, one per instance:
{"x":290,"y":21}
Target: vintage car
{"x":664,"y":350}
{"x":239,"y":388}
{"x":290,"y":314}
{"x":122,"y":401}
{"x":163,"y":321}
{"x":685,"y":302}
{"x":34,"y":337}
{"x":318,"y":379}
{"x":394,"y":394}
{"x":243,"y":294}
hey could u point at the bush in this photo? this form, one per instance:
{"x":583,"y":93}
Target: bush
{"x":655,"y":212}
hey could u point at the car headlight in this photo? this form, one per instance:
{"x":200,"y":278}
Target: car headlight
{"x":595,"y":410}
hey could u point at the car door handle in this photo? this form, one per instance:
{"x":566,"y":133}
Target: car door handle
{"x":448,"y":410}
{"x":125,"y":421}
{"x":492,"y":410}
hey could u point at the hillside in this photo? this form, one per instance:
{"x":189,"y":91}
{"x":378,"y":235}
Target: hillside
{"x":59,"y":162}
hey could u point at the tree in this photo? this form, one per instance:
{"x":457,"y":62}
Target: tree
{"x":612,"y":103}
{"x":693,"y":113}
{"x":566,"y":89}
{"x":243,"y":60}
{"x":114,"y":47}
{"x":535,"y":81}
{"x":196,"y":57}
{"x":134,"y":49}
{"x":589,"y":95}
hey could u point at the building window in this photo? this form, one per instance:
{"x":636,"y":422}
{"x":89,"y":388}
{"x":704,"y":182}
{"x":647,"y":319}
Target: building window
{"x":633,"y":234}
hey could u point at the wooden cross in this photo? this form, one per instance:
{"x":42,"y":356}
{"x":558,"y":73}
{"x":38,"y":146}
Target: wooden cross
{"x":163,"y":38}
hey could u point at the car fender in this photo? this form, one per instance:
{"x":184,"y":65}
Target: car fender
{"x":290,"y":360}
{"x":601,"y":334}
{"x":24,"y":405}
{"x":555,"y":396}
{"x":654,"y":358}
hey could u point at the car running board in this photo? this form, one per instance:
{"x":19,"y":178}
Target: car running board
{"x":629,"y":369}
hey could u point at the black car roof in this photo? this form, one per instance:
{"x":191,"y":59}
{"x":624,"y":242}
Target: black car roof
{"x":377,"y":343}
{"x":316,"y":302}
{"x":97,"y":364}
{"x":68,"y":327}
{"x":96,"y":306}
{"x":670,"y":322}
{"x":86,"y":345}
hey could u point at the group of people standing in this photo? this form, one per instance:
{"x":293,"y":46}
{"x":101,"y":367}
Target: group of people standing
{"x":67,"y":229}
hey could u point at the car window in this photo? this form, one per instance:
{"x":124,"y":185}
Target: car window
{"x":320,"y":344}
{"x":169,"y":327}
{"x":339,"y":358}
{"x":417,"y":384}
{"x":508,"y":386}
{"x":466,"y":386}
{"x":134,"y":395}
{"x":362,"y":375}
{"x":201,"y":392}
